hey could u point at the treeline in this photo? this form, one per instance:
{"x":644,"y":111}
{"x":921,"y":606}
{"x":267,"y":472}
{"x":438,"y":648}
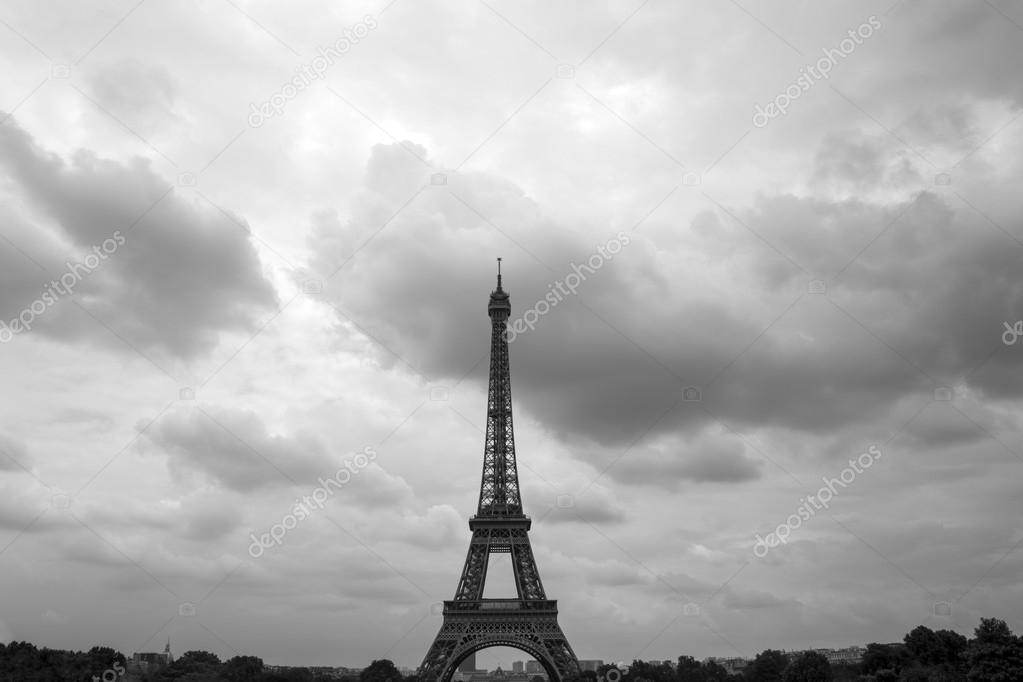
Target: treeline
{"x":202,"y":666}
{"x":994,"y":654}
{"x":24,"y":662}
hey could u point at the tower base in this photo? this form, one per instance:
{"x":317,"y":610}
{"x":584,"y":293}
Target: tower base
{"x":528,"y":625}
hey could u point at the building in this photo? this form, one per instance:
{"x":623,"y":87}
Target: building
{"x":146,"y":662}
{"x":469,"y":664}
{"x":533,"y":668}
{"x":518,"y":667}
{"x":590,"y":664}
{"x":846,"y":656}
{"x":498,"y":675}
{"x":732,"y":666}
{"x":327,"y":672}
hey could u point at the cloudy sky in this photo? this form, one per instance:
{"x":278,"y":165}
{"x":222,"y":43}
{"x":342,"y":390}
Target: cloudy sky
{"x":240,"y":244}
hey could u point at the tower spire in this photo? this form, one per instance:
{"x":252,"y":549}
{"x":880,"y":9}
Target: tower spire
{"x":499,"y":489}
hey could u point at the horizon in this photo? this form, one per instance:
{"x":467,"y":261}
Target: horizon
{"x":510,"y":656}
{"x":764,"y":336}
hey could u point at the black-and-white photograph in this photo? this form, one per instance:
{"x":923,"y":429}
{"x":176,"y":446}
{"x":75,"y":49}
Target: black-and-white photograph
{"x":270,"y":272}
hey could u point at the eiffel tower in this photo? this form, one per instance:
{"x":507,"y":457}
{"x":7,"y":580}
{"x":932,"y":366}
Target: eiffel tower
{"x":530,"y":621}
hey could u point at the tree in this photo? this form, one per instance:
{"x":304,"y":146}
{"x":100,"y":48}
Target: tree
{"x":938,"y":655}
{"x":103,"y":658}
{"x":200,"y":657}
{"x":768,"y":666}
{"x":995,"y":654}
{"x":714,"y":672}
{"x":934,"y":648}
{"x":290,"y":675}
{"x":916,"y":674}
{"x":653,"y":672}
{"x":923,"y":644}
{"x":583,"y":676}
{"x":953,"y":646}
{"x":881,"y":657}
{"x":242,"y":669}
{"x":193,"y":666}
{"x":382,"y":670}
{"x":809,"y":666}
{"x":690,"y":670}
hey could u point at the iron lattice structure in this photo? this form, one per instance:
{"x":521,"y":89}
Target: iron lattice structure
{"x":530,"y":621}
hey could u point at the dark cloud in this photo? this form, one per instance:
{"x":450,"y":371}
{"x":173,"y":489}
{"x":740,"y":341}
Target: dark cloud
{"x":703,"y":459}
{"x":609,"y":365}
{"x":425,"y":300}
{"x":593,"y":507}
{"x":234,"y":449}
{"x":438,"y":527}
{"x":178,"y":274}
{"x":938,"y":288}
{"x":726,"y":467}
{"x":607,"y":572}
{"x":946,"y":126}
{"x":853,"y":162}
{"x":946,"y":59}
{"x":939,"y":425}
